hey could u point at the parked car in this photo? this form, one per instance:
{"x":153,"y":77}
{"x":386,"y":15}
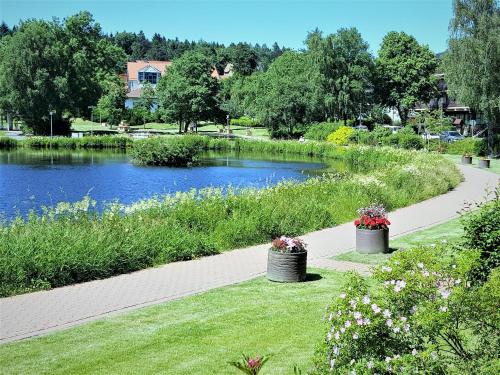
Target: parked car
{"x":450,"y":136}
{"x":428,"y":136}
{"x":393,"y":128}
{"x":362,"y":128}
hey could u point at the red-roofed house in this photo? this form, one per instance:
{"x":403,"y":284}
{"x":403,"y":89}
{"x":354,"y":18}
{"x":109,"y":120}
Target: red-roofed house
{"x":141,"y":71}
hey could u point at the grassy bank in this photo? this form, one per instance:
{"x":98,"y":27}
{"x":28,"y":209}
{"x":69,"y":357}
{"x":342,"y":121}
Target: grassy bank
{"x":95,"y":142}
{"x":193,"y":335}
{"x":72,"y":243}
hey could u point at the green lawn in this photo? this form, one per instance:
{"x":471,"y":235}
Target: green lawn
{"x":449,"y":231}
{"x":237,"y":130}
{"x":494,"y":165}
{"x":157,"y":127}
{"x":82,"y":125}
{"x":194,"y":335}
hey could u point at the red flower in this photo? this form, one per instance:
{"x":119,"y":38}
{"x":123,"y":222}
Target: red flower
{"x":357,"y":222}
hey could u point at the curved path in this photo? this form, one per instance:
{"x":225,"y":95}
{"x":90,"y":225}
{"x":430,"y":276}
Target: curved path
{"x":42,"y":312}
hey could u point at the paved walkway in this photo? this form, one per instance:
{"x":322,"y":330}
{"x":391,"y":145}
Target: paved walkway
{"x":42,"y":312}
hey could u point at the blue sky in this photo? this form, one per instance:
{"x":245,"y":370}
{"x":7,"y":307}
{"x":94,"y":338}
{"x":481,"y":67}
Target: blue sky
{"x":258,"y":21}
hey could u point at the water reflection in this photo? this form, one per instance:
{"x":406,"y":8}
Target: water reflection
{"x":30,"y":179}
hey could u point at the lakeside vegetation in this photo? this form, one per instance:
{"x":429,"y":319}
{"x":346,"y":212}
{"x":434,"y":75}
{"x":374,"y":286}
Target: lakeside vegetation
{"x":72,"y":243}
{"x":186,"y":336}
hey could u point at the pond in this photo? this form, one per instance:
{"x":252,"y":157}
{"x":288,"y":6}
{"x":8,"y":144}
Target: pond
{"x":32,"y":179}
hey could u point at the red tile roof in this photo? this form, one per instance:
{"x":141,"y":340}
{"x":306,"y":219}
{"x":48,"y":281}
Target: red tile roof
{"x":133,"y":67}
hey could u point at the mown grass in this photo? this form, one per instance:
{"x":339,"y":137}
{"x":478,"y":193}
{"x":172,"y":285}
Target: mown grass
{"x":494,"y":163}
{"x":447,"y":232}
{"x":194,"y":335}
{"x":73,"y":243}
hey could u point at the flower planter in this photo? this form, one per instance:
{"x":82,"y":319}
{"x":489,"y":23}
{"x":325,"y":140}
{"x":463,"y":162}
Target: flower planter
{"x":286,"y":267}
{"x":466,"y":159}
{"x":484,"y":163}
{"x":370,"y":241}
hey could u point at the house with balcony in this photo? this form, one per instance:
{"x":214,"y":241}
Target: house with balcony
{"x":140,"y":72}
{"x":465,"y":119}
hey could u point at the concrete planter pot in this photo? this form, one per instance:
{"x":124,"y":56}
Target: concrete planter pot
{"x":484,"y":163}
{"x":372,"y":241}
{"x":466,"y":159}
{"x":286,"y":267}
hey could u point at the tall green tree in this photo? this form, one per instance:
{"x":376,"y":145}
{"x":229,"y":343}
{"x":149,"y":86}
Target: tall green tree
{"x":346,"y":68}
{"x":472,"y":63}
{"x":286,"y":95}
{"x":145,"y":104}
{"x":52,"y":65}
{"x":243,"y":57}
{"x":187,"y":91}
{"x":111,"y":104}
{"x":405,"y":72}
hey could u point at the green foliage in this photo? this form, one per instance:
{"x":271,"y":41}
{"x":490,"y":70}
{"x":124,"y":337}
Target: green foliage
{"x":250,"y":366}
{"x":472,"y":61}
{"x":421,"y":317}
{"x":411,"y":142}
{"x":72,"y":243}
{"x":404,"y":73}
{"x":319,"y":132}
{"x":174,"y":151}
{"x":346,"y":69}
{"x":244,"y":121}
{"x":340,"y":136}
{"x":95,"y":142}
{"x":52,"y":65}
{"x":482,"y":232}
{"x":7,"y":142}
{"x":465,"y":146}
{"x":186,"y":92}
{"x":283,"y":96}
{"x":243,"y":58}
{"x":111,"y":105}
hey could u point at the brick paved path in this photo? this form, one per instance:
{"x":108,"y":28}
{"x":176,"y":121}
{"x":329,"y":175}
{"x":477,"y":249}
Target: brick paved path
{"x":42,"y":312}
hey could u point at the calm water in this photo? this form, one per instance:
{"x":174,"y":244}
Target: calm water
{"x":31,"y":179}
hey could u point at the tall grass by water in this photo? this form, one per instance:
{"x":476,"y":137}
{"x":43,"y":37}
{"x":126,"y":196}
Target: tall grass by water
{"x":95,"y":142}
{"x":72,"y":243}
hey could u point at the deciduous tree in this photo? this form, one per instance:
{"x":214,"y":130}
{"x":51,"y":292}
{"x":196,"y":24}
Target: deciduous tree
{"x":187,"y":90}
{"x":405,"y":73}
{"x":472,"y":63}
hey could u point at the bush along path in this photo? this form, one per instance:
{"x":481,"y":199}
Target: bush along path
{"x":41,"y":312}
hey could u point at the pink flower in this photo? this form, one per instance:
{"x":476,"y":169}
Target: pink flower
{"x":253,"y":363}
{"x":375,"y":308}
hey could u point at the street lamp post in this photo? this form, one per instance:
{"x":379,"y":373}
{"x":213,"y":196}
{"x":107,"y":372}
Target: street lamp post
{"x":91,"y":107}
{"x":51,"y":113}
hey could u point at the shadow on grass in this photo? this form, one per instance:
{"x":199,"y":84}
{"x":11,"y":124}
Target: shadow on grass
{"x":313,"y":277}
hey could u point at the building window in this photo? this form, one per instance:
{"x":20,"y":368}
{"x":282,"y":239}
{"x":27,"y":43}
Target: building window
{"x":148,"y":77}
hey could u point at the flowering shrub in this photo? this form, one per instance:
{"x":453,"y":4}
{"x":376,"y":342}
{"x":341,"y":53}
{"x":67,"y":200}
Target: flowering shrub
{"x":250,"y":366}
{"x":424,"y":317}
{"x":372,"y":217}
{"x":341,"y":136}
{"x":482,"y":232}
{"x":288,"y":245}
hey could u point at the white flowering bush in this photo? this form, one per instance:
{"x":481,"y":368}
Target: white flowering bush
{"x":423,"y":316}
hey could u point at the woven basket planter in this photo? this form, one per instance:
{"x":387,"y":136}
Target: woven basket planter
{"x":286,"y":267}
{"x":372,"y":241}
{"x":466,"y":159}
{"x":484,"y":163}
